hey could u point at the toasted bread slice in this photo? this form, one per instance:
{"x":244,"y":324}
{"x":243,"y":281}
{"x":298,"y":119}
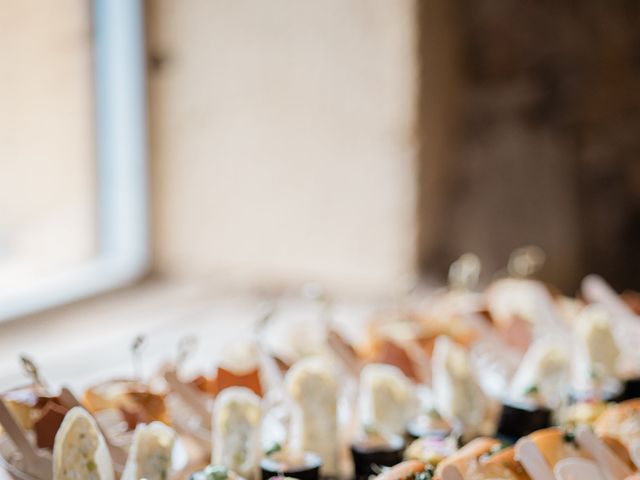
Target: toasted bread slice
{"x":468,"y":455}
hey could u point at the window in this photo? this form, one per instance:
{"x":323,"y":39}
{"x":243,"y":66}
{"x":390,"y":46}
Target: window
{"x":73,"y":196}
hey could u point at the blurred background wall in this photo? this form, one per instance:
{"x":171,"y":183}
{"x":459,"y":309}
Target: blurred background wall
{"x":282,"y":140}
{"x":546,"y":146}
{"x":47,"y":160}
{"x":350,"y":142}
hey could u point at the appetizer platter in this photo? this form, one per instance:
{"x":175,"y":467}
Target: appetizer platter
{"x":515,"y":381}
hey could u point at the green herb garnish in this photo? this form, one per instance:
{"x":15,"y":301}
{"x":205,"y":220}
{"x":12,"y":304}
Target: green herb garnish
{"x":275,"y":447}
{"x":426,"y":474}
{"x":568,"y":437}
{"x":493,"y":450}
{"x":433,"y":413}
{"x":212,"y":472}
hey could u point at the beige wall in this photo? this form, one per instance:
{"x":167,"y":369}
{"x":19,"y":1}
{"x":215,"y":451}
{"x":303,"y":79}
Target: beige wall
{"x":47,"y":157}
{"x":282,"y":140}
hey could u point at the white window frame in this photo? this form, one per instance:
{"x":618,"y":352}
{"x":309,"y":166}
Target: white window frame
{"x":120,"y":99}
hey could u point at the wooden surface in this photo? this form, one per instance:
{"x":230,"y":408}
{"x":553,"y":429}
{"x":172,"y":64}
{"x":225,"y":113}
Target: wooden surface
{"x":90,"y":342}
